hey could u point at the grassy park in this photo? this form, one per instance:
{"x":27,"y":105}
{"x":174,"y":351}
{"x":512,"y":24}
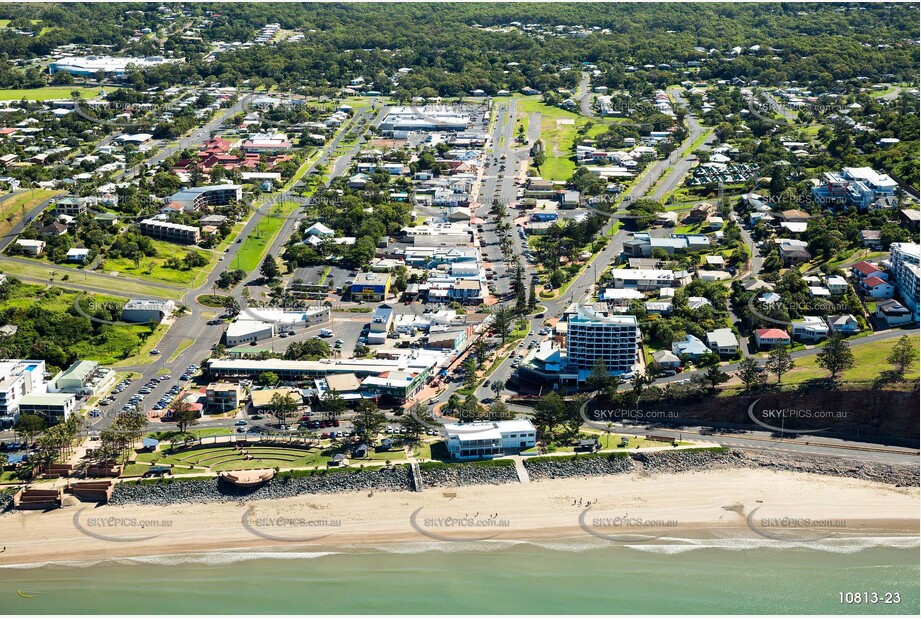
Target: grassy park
{"x":46,"y":94}
{"x":156,"y":269}
{"x":869,"y":361}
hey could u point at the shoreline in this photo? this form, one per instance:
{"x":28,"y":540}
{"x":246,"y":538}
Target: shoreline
{"x":741,"y":507}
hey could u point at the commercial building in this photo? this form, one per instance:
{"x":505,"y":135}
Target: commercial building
{"x":642,"y":279}
{"x":370,"y":287}
{"x":416,"y":361}
{"x":591,"y":336}
{"x":853,"y":186}
{"x":89,"y":66}
{"x":381,"y":325}
{"x":248,"y":331}
{"x":53,"y":407}
{"x":171,"y":232}
{"x":18,"y":378}
{"x":487,"y":439}
{"x":146,"y":310}
{"x":223,"y":396}
{"x":83,"y":378}
{"x":404,"y":119}
{"x":214,"y":195}
{"x":261,"y":400}
{"x":398,"y":386}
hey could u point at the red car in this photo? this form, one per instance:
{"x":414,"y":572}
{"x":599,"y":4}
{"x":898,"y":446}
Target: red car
{"x":336,"y":423}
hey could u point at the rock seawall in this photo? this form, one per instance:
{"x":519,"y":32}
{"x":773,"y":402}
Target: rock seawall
{"x":467,"y":474}
{"x":216,"y":490}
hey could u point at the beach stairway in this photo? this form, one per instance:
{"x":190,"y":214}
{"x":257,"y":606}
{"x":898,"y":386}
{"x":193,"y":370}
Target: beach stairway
{"x":38,"y":499}
{"x":93,"y":491}
{"x":416,"y":475}
{"x":523,"y":476}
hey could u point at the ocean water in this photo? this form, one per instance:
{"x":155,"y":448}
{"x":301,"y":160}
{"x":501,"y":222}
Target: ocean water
{"x":672,"y":576}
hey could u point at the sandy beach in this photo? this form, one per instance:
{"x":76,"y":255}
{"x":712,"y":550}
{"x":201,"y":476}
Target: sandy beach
{"x":758,"y":504}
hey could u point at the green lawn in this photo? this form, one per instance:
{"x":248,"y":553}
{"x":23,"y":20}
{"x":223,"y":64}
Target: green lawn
{"x":255,"y":245}
{"x":222,"y":458}
{"x":116,"y":285}
{"x":200,"y":433}
{"x":47,"y":94}
{"x":558,"y":165}
{"x":869,"y":361}
{"x":155,"y":269}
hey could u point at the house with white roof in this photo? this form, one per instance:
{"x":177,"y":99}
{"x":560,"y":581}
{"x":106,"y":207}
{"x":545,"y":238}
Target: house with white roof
{"x":810,"y":329}
{"x":845,"y":324}
{"x":690,"y":346}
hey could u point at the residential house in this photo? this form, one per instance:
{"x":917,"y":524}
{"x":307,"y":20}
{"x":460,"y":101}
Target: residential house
{"x":836,"y":284}
{"x":701,"y":212}
{"x":893,"y":313}
{"x":862,"y":270}
{"x":666,"y":360}
{"x":31,"y":247}
{"x":844,"y":324}
{"x":793,"y":255}
{"x":486,"y":439}
{"x":810,"y":329}
{"x":770,"y":337}
{"x":77,"y":255}
{"x":723,"y":341}
{"x":871,"y":239}
{"x":690,"y":347}
{"x":795,"y":216}
{"x":874,"y":287}
{"x":910,"y":218}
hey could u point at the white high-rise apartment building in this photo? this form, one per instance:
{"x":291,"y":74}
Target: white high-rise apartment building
{"x":906,"y":266}
{"x":592,"y":335}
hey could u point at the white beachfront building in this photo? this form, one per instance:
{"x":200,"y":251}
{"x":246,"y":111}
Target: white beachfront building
{"x":489,"y":438}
